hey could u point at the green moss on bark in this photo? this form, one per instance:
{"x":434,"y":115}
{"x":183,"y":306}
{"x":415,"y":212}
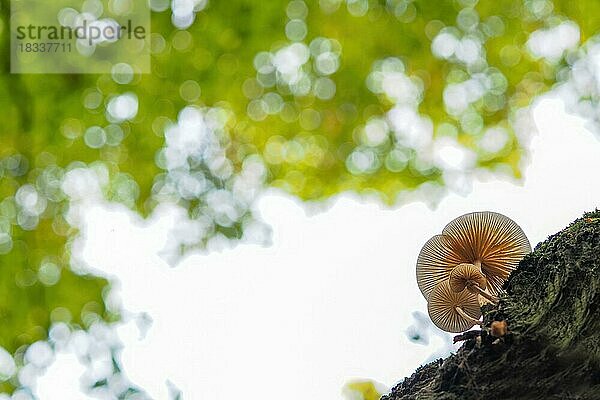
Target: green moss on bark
{"x":552,"y":306}
{"x":556,"y":290}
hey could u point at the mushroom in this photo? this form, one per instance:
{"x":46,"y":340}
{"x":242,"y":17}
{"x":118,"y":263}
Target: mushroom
{"x":490,"y":241}
{"x":453,"y":311}
{"x":498,"y":328}
{"x":467,"y":276}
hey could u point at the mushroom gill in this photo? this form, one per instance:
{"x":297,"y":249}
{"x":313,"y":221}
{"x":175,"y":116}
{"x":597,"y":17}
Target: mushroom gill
{"x":468,"y":276}
{"x":453,"y":311}
{"x":436,"y":261}
{"x":465,"y":275}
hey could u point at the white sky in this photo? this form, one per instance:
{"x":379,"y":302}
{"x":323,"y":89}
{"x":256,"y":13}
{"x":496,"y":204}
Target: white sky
{"x":330,"y":300}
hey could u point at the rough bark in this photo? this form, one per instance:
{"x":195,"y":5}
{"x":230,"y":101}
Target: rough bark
{"x":552,"y":350}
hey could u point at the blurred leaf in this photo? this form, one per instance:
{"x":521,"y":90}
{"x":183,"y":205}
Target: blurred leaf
{"x":363,"y":390}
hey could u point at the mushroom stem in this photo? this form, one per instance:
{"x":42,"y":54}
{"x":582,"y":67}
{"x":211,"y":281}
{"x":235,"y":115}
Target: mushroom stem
{"x":475,"y":288}
{"x":467,"y":316}
{"x":477,"y":263}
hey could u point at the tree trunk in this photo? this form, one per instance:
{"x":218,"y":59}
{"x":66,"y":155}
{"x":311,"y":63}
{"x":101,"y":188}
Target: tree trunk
{"x":552,"y":348}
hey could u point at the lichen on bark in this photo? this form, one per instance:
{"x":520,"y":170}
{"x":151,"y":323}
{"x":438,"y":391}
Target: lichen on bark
{"x":552,"y":351}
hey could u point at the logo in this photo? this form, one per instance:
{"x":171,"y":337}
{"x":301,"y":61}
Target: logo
{"x":75,"y":36}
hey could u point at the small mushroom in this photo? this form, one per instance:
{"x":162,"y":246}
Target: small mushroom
{"x":468,"y":276}
{"x":453,"y":311}
{"x":488,"y":240}
{"x":498,"y":329}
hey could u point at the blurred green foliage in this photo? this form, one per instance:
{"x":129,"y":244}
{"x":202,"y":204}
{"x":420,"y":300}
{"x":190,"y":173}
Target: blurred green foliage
{"x":329,"y":95}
